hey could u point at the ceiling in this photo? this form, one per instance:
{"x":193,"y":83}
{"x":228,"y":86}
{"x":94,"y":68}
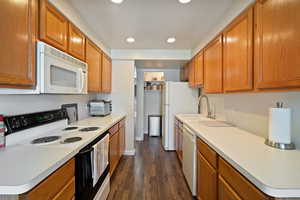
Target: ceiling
{"x":151,"y":22}
{"x":160,"y":64}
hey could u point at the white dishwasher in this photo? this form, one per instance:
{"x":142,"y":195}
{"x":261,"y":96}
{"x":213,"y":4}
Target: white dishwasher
{"x":189,"y":164}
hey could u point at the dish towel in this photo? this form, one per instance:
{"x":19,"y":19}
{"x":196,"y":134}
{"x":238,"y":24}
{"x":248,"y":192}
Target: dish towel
{"x":99,"y":158}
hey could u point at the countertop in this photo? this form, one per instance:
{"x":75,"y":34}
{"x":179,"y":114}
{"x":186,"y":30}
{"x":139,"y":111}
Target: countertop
{"x":275,"y":172}
{"x":22,"y":167}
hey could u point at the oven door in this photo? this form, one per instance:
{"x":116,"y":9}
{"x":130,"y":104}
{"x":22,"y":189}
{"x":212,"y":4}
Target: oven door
{"x":62,"y":77}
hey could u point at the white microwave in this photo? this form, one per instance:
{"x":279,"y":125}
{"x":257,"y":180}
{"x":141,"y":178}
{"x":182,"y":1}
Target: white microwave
{"x":60,"y":73}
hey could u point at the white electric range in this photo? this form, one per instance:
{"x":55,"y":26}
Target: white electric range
{"x":49,"y":130}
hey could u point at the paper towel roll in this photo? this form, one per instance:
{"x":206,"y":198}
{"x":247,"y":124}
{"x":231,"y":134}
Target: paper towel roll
{"x":280,"y":125}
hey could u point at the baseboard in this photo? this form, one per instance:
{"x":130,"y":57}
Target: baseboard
{"x":129,"y":152}
{"x":139,"y":139}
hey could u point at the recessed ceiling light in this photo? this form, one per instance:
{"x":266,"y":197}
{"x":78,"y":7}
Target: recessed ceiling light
{"x":171,"y":40}
{"x":130,"y":40}
{"x":184,"y":1}
{"x":117,"y":1}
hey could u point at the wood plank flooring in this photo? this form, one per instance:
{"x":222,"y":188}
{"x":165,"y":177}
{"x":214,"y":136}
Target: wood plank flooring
{"x":152,"y":174}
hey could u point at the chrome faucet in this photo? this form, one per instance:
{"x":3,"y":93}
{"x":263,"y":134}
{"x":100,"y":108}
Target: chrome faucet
{"x":209,"y":113}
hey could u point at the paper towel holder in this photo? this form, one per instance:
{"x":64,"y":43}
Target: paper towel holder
{"x":281,"y":146}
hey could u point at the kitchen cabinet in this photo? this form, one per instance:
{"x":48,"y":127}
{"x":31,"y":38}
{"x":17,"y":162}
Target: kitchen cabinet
{"x":116,"y":145}
{"x":213,"y":67}
{"x":238,"y":183}
{"x":106,"y":74}
{"x":238,"y":56}
{"x":18,"y":38}
{"x":76,"y":42}
{"x":226,"y":192}
{"x":199,"y":70}
{"x":94,"y":61}
{"x":53,"y":26}
{"x":178,"y":139}
{"x":122,"y":137}
{"x":192,"y":73}
{"x":277,"y":44}
{"x":184,"y":73}
{"x":207,"y":174}
{"x":207,"y":179}
{"x":113,"y":151}
{"x":58,"y":186}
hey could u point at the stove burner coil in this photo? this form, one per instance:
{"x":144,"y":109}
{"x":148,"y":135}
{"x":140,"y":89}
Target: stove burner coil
{"x":89,"y":129}
{"x":44,"y":140}
{"x":72,"y":139}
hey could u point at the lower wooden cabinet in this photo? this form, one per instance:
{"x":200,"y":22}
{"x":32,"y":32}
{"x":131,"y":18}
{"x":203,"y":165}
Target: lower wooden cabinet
{"x":113,"y":151}
{"x":178,"y":139}
{"x":225,"y":191}
{"x":122,"y":137}
{"x":116,"y":145}
{"x":58,"y":186}
{"x":206,"y":179}
{"x":220,"y":180}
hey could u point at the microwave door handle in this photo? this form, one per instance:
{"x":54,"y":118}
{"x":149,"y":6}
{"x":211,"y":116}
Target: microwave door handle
{"x":81,"y":80}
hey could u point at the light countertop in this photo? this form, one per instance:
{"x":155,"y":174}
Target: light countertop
{"x":275,"y":172}
{"x":22,"y":167}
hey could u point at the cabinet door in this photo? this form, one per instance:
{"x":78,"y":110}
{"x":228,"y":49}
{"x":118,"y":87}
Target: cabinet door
{"x":113,"y":152}
{"x":277,"y":63}
{"x":192,"y":73}
{"x":94,"y":61}
{"x":199,"y":69}
{"x":53,"y":26}
{"x":206,"y":179}
{"x":226,"y":192}
{"x":17,"y":49}
{"x":122,"y":140}
{"x":76,"y":40}
{"x":106,"y":74}
{"x":238,"y":48}
{"x":213,"y":69}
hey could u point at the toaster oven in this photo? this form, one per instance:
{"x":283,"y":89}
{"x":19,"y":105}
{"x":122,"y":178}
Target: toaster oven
{"x":99,"y":107}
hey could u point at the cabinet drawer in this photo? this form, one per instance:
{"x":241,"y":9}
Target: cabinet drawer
{"x":122,"y":123}
{"x":114,"y":129}
{"x":238,"y":183}
{"x":208,"y":153}
{"x":56,"y":182}
{"x":68,"y":192}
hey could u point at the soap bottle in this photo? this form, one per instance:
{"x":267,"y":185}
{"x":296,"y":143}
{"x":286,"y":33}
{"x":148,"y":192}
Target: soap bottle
{"x":2,"y":132}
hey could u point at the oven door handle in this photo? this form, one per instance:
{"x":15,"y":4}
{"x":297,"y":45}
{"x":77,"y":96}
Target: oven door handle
{"x":86,"y":151}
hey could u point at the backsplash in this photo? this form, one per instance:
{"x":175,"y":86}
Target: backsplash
{"x":249,"y":111}
{"x":18,"y":104}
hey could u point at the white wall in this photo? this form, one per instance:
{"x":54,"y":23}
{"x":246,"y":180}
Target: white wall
{"x":122,"y":97}
{"x":19,"y":104}
{"x":249,"y":111}
{"x":71,"y":13}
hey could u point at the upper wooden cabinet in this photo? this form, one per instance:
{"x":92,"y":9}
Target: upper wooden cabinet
{"x":238,"y":53}
{"x":106,"y":73}
{"x":76,"y":46}
{"x":17,"y":50}
{"x":94,"y":61}
{"x":53,"y":26}
{"x":192,"y":73}
{"x":277,"y":63}
{"x":199,"y":70}
{"x":213,"y":68}
{"x":184,"y":73}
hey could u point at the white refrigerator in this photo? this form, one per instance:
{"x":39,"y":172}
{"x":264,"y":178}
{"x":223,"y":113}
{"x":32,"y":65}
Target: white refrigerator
{"x":177,"y":98}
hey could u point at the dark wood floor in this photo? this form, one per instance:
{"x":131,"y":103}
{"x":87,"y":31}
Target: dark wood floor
{"x":152,"y":174}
